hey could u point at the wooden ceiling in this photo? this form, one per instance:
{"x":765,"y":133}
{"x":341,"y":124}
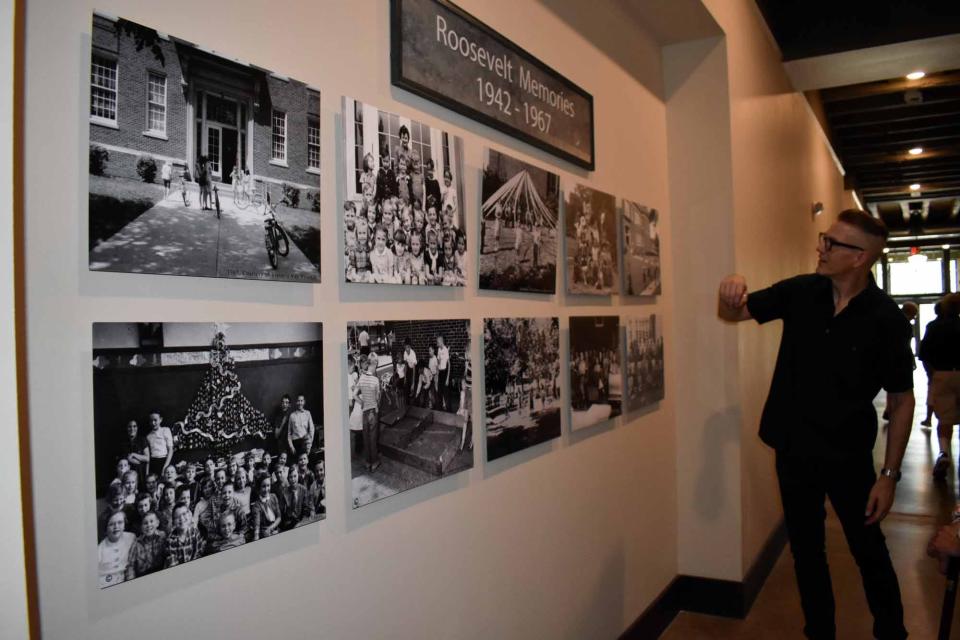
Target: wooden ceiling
{"x":872,"y":126}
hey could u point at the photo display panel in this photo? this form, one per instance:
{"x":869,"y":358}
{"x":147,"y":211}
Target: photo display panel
{"x":403,"y":218}
{"x":596,"y":380}
{"x":641,"y":250}
{"x":409,"y":414}
{"x":591,"y":226}
{"x":521,"y":358}
{"x":200,"y":165}
{"x":206,"y":436}
{"x":519,"y":225}
{"x":644,"y":382}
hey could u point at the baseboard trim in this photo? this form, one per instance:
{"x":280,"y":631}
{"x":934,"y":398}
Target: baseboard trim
{"x":725,"y":598}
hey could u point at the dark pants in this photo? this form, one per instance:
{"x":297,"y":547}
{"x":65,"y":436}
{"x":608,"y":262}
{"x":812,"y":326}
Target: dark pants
{"x":804,"y":483}
{"x":299,"y":446}
{"x":371,"y":436}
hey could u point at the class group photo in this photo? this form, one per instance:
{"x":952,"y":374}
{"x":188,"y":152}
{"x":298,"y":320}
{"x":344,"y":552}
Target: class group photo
{"x":596,"y":381}
{"x":200,"y":445}
{"x":403,"y":220}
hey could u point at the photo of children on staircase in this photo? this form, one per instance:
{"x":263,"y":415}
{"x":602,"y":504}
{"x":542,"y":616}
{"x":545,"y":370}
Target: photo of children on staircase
{"x":409,"y":409}
{"x":206,"y":437}
{"x":518,"y":225}
{"x":521,"y":359}
{"x":200,"y":164}
{"x":403,"y":219}
{"x":596,"y":383}
{"x":592,"y":247}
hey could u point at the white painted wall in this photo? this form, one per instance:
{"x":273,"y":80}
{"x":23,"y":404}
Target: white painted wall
{"x":573,"y":543}
{"x":13,"y":593}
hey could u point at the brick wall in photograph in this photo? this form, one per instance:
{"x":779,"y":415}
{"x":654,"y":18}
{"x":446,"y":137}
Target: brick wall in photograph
{"x":133,"y":69}
{"x":423,"y":334}
{"x":300,"y":104}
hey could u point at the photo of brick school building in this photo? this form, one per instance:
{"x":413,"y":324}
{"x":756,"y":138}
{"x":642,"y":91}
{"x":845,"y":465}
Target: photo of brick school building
{"x":151,"y":93}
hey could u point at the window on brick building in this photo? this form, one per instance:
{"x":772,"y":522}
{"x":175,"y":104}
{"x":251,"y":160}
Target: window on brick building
{"x":103,"y":89}
{"x":156,"y":103}
{"x":279,"y":136}
{"x":313,"y":143}
{"x":358,"y":145}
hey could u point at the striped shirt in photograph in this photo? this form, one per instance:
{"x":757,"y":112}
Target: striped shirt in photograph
{"x":369,"y":391}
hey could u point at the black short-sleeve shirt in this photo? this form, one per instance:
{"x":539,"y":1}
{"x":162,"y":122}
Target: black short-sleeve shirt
{"x":830,"y":368}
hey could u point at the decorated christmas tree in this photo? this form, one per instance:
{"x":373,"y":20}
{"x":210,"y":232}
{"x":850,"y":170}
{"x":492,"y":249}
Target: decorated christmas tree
{"x":220,"y":415}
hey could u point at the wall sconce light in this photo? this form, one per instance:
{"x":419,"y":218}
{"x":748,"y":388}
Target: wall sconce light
{"x":816,"y":209}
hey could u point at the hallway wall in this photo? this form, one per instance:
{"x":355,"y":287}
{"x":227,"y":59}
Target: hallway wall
{"x":572,"y":539}
{"x":781,"y":165}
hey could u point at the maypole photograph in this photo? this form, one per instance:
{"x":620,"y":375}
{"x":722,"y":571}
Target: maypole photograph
{"x":518,"y":225}
{"x":206,"y":436}
{"x":521,"y":383}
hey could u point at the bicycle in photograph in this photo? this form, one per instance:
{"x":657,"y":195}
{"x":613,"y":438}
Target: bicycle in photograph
{"x":275,"y":238}
{"x":216,"y":200}
{"x":241,"y":195}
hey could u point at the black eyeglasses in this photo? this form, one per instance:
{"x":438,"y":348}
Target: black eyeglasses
{"x":829,"y":243}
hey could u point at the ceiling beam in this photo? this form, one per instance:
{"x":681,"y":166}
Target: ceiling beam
{"x":896,"y":85}
{"x":906,"y":113}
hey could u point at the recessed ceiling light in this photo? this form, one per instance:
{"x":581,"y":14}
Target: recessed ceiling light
{"x":886,"y":249}
{"x":915,"y":151}
{"x":946,"y":246}
{"x":915,"y":75}
{"x":915,"y":186}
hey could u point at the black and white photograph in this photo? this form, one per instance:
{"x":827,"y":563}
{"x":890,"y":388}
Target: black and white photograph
{"x":207,"y":436}
{"x":403,"y":217}
{"x":596,"y":384}
{"x":592,"y":247}
{"x":521,"y":360}
{"x":409,"y":386}
{"x":518,"y":225}
{"x":641,"y":250}
{"x":644,"y":382}
{"x":201,"y":164}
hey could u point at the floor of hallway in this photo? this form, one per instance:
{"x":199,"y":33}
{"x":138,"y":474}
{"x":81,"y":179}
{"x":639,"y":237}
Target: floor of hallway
{"x":921,"y":504}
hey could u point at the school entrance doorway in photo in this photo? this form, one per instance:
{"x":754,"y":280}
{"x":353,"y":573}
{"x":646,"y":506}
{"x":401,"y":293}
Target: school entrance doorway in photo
{"x":221,"y":130}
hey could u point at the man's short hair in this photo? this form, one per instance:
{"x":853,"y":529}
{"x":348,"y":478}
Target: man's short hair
{"x":865,"y":222}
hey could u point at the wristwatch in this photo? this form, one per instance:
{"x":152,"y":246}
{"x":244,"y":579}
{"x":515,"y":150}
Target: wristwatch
{"x":891,"y":473}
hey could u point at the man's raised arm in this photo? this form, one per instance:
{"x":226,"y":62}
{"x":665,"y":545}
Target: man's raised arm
{"x":732,"y":299}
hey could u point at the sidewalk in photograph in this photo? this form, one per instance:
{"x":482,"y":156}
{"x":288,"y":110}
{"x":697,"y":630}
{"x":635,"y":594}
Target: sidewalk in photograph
{"x":172,"y":239}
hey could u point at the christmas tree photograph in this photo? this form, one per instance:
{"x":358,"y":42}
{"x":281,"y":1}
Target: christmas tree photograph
{"x":207,"y":436}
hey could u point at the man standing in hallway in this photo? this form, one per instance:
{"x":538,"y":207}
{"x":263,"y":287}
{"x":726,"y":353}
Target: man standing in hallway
{"x":843,"y":339}
{"x":940,"y":353}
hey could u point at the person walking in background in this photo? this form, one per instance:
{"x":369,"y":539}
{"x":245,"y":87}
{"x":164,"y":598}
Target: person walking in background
{"x":940,"y":353}
{"x":927,"y":421}
{"x":166,"y":174}
{"x":843,"y":340}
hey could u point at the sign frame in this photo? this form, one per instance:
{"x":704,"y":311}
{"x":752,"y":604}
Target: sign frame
{"x":398,"y":79}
